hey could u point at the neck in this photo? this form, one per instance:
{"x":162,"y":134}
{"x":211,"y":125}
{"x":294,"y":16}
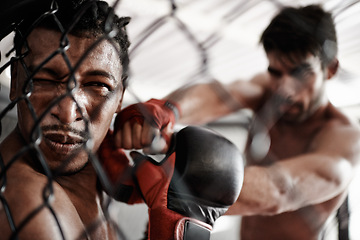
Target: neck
{"x":85,"y":179}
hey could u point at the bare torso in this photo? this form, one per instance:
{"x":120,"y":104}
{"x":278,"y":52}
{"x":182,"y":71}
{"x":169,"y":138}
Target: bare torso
{"x":74,"y":207}
{"x":288,"y":141}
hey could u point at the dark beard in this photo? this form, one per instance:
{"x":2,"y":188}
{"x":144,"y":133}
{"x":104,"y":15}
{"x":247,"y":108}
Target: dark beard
{"x":285,"y":115}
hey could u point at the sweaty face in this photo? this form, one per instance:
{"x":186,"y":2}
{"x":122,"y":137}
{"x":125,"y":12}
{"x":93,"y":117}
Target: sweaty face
{"x":297,"y":85}
{"x":96,"y":94}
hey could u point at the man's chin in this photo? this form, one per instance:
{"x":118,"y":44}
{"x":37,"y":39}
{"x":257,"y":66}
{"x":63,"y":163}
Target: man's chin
{"x":288,"y":117}
{"x":70,"y":170}
{"x":66,"y":164}
{"x":291,"y":114}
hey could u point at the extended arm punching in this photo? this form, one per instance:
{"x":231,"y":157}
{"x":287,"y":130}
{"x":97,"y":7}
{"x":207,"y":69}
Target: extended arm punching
{"x":203,"y":103}
{"x":137,"y":124}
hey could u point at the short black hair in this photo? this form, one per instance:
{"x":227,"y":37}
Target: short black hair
{"x":302,"y":30}
{"x":88,"y":18}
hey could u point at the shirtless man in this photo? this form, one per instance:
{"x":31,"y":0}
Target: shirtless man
{"x":311,"y":149}
{"x":67,"y":88}
{"x":61,"y":199}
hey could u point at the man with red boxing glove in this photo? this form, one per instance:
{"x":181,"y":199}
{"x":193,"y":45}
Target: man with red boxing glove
{"x":301,"y":152}
{"x":67,"y":81}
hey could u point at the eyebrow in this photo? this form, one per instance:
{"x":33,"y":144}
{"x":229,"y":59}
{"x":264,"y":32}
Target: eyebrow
{"x":274,"y":71}
{"x":56,"y":75}
{"x":103,"y":74}
{"x":47,"y":70}
{"x":303,"y":66}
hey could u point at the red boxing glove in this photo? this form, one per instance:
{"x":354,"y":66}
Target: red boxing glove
{"x":119,"y":171}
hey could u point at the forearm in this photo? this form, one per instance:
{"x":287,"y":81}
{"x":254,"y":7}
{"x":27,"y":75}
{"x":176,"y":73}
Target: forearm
{"x":292,"y":184}
{"x":202,"y":103}
{"x":262,"y":194}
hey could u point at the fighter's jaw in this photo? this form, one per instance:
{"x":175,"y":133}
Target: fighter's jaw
{"x":63,"y":158}
{"x":294,"y":112}
{"x":62,"y":148}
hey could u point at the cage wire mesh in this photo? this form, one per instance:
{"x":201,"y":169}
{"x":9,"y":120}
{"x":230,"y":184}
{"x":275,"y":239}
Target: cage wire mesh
{"x":201,"y":46}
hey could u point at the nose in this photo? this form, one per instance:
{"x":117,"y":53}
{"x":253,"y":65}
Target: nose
{"x":67,"y":110}
{"x":287,"y":86}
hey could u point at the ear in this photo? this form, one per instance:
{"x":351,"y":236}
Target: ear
{"x":332,"y":68}
{"x":13,"y":86}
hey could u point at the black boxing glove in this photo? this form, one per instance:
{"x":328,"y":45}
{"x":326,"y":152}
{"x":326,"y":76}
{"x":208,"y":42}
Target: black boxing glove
{"x":196,"y":183}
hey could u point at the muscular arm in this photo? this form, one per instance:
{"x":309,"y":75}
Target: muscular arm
{"x":306,"y":179}
{"x":198,"y":104}
{"x":203,"y":103}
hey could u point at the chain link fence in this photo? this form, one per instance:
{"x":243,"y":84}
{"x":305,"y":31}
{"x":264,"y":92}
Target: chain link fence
{"x":15,"y":13}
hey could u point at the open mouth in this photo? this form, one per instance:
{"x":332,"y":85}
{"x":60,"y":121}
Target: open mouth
{"x":63,"y":142}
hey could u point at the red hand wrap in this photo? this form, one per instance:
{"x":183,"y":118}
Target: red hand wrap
{"x":119,"y":170}
{"x":159,"y":113}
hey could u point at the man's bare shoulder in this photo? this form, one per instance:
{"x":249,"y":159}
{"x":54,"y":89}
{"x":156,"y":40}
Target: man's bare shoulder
{"x":340,"y":135}
{"x":339,"y":121}
{"x":37,"y":201}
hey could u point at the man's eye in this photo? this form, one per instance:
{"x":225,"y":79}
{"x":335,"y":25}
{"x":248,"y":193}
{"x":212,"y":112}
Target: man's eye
{"x":98,"y":85}
{"x":301,"y":73}
{"x":41,"y":82}
{"x":274,"y":73}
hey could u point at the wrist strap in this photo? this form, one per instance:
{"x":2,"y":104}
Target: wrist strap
{"x":173,"y":108}
{"x":192,"y":229}
{"x":165,"y":224}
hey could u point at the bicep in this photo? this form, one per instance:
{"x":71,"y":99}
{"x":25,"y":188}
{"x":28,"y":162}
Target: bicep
{"x":290,"y":184}
{"x":310,"y":179}
{"x":326,"y":171}
{"x":306,"y":179}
